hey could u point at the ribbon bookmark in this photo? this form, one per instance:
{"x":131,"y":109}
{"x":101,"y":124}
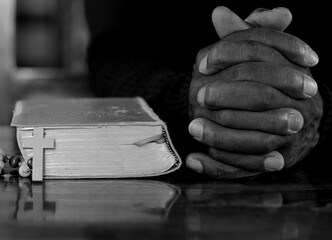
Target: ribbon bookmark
{"x":157,"y":138}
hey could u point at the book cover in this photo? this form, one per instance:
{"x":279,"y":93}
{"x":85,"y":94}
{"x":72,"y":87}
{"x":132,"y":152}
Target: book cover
{"x":93,"y":138}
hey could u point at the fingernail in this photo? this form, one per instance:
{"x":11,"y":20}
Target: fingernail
{"x":196,"y":129}
{"x":311,"y":57}
{"x":274,"y":161}
{"x":295,"y":122}
{"x":201,"y":96}
{"x":310,"y":86}
{"x":194,"y":164}
{"x":203,"y":65}
{"x":278,"y":8}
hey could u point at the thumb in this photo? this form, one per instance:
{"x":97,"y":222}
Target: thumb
{"x":277,"y":18}
{"x":226,"y":22}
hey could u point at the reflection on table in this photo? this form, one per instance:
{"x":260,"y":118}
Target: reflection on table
{"x":86,"y":201}
{"x":281,"y":207}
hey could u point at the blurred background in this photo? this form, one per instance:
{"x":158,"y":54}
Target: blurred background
{"x":42,"y":51}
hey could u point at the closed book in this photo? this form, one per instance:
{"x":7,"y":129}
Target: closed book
{"x":93,"y":138}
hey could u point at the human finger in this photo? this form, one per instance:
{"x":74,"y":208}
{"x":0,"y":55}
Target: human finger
{"x":257,"y":44}
{"x":277,"y":18}
{"x":234,"y":140}
{"x":204,"y":164}
{"x":293,"y":48}
{"x":229,"y":53}
{"x":281,"y":121}
{"x":248,"y":96}
{"x":226,"y":21}
{"x":287,"y":79}
{"x":272,"y":161}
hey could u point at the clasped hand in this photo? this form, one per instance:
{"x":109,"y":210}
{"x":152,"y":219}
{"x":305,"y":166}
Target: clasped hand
{"x":253,"y":101}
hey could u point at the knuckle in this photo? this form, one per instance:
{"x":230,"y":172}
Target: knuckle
{"x":222,"y":53}
{"x":286,"y":76}
{"x":216,"y":94}
{"x":232,"y":73}
{"x":265,"y":97}
{"x":258,"y":51}
{"x":216,"y":54}
{"x":221,"y":117}
{"x":220,"y":173}
{"x":275,"y":56}
{"x":214,"y":153}
{"x":272,"y":142}
{"x":297,"y":44}
{"x":249,"y":50}
{"x":216,"y":172}
{"x":253,"y":45}
{"x":242,"y":71}
{"x":211,"y":137}
{"x":288,"y":101}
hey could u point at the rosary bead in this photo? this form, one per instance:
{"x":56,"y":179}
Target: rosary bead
{"x":24,"y":182}
{"x":14,"y":161}
{"x":29,"y":163}
{"x":24,"y":170}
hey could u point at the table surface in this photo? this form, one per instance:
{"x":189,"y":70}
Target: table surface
{"x":294,"y":204}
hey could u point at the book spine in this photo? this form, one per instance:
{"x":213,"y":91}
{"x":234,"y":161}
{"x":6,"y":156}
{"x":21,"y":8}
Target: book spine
{"x":170,"y":145}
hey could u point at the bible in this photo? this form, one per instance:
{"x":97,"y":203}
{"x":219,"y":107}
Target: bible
{"x":93,"y":138}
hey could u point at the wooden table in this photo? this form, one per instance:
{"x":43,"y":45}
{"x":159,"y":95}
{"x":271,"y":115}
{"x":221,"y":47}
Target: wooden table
{"x":290,"y":205}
